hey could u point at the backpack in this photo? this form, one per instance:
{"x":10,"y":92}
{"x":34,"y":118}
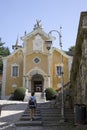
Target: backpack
{"x":32,"y":102}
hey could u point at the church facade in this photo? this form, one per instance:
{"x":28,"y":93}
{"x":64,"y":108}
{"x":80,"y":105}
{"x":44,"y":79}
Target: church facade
{"x":33,"y":66}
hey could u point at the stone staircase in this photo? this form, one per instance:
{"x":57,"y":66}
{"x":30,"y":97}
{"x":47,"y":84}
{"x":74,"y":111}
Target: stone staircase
{"x":47,"y":117}
{"x":26,"y":124}
{"x":51,"y":116}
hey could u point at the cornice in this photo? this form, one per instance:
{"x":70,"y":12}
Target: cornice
{"x":35,"y":32}
{"x":37,"y":52}
{"x":61,"y":52}
{"x":12,"y":54}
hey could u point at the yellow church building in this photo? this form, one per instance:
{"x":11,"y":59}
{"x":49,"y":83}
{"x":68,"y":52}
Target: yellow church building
{"x":33,"y":66}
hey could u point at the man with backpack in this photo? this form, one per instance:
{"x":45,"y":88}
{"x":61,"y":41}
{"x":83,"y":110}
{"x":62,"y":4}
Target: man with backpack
{"x":32,"y":105}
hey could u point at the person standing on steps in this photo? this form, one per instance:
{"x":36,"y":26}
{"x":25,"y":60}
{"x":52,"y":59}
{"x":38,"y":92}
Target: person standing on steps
{"x":32,"y":105}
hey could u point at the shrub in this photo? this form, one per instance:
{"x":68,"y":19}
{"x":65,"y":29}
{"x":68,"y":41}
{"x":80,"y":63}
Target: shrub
{"x":50,"y":94}
{"x":19,"y":93}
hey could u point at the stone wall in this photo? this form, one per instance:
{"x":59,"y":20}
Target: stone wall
{"x":82,"y":76}
{"x":79,"y":67}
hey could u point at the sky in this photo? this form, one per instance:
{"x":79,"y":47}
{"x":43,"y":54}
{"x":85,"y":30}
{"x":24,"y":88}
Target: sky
{"x":18,"y":16}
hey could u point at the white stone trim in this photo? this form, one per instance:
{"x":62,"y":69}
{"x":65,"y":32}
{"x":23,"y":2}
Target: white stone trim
{"x":49,"y":70}
{"x":70,"y":65}
{"x":4,"y":79}
{"x":35,"y":70}
{"x":58,"y":65}
{"x":37,"y":58}
{"x":13,"y":53}
{"x":61,"y":52}
{"x":24,"y":64}
{"x":36,"y":52}
{"x":29,"y":86}
{"x":14,"y":85}
{"x":40,"y":31}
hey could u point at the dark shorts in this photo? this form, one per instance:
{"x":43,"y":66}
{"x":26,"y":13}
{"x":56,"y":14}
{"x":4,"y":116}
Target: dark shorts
{"x":32,"y":107}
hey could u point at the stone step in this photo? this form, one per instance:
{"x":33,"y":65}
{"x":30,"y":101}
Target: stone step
{"x":56,"y":116}
{"x":68,"y":111}
{"x":29,"y":128}
{"x":50,"y":115}
{"x":57,"y":123}
{"x":50,"y":112}
{"x":69,"y":115}
{"x":28,"y":111}
{"x":29,"y":123}
{"x":51,"y":118}
{"x":26,"y":118}
{"x":50,"y":123}
{"x":60,"y":127}
{"x":26,"y":114}
{"x":51,"y":109}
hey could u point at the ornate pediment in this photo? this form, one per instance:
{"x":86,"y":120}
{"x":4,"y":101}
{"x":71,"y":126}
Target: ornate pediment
{"x":38,"y":43}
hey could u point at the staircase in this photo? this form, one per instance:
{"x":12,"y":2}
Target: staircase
{"x":26,"y":124}
{"x":47,"y":117}
{"x":51,"y":116}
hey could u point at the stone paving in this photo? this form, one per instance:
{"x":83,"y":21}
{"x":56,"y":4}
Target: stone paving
{"x":11,"y":112}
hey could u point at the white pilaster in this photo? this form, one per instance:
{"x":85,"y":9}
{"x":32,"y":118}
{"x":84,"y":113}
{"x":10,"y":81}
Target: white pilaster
{"x":29,"y":86}
{"x":4,"y":79}
{"x":70,"y":65}
{"x":49,"y":81}
{"x":45,"y":83}
{"x":49,"y":73}
{"x":24,"y":65}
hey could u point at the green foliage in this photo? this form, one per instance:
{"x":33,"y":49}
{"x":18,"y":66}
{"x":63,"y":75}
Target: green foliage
{"x":72,"y":48}
{"x":50,"y":94}
{"x":4,"y":51}
{"x":19,"y":93}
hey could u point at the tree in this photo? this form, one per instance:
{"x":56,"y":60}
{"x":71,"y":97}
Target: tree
{"x":4,"y":51}
{"x":72,"y":49}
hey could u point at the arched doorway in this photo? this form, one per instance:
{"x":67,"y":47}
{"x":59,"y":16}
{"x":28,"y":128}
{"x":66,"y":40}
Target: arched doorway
{"x":37,"y":83}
